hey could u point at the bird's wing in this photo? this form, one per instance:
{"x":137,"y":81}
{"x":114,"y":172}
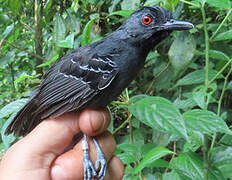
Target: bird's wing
{"x":67,"y":86}
{"x":74,"y":84}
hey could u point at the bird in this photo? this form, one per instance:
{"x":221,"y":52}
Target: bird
{"x":94,"y":75}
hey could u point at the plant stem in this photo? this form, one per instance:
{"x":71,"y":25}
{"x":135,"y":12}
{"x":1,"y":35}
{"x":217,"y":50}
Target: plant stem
{"x":122,"y":125}
{"x":205,"y":156}
{"x":189,"y":3}
{"x":220,"y":103}
{"x":220,"y":72}
{"x":206,"y":138}
{"x":129,"y":119}
{"x":223,"y":91}
{"x":206,"y":48}
{"x":219,"y":27}
{"x":153,"y":80}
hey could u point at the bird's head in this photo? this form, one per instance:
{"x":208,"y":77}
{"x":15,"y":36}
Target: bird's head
{"x":152,"y":24}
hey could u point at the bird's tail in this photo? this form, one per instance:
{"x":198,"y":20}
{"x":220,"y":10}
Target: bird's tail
{"x":24,"y":121}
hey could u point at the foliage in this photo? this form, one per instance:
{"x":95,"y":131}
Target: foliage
{"x":181,"y":128}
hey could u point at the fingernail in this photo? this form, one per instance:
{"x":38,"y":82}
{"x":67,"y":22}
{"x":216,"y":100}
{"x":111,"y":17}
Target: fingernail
{"x":57,"y":173}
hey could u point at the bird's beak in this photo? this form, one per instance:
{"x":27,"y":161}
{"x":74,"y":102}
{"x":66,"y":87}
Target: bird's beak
{"x":173,"y":24}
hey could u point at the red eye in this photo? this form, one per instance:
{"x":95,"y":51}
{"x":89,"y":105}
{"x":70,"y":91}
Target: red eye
{"x":146,"y":20}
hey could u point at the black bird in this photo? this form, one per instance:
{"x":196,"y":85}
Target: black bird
{"x":94,"y":75}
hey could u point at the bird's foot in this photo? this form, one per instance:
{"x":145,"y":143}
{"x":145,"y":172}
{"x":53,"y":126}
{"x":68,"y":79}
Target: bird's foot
{"x":89,"y":170}
{"x":100,"y":164}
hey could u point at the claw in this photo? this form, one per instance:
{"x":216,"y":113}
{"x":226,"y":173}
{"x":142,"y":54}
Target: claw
{"x":100,"y":162}
{"x":89,"y":170}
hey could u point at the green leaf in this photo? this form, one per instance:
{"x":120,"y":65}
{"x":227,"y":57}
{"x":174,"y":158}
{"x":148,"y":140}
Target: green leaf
{"x":130,"y":4}
{"x":47,"y":5}
{"x":205,"y":122}
{"x":4,"y":19}
{"x":229,"y":86}
{"x":181,"y":51}
{"x":199,"y":94}
{"x":59,"y":29}
{"x":218,"y":55}
{"x":128,"y":147}
{"x":15,"y":5}
{"x":85,"y":38}
{"x":215,"y":173}
{"x":75,"y":5}
{"x":22,"y":77}
{"x":159,"y":163}
{"x":68,"y":42}
{"x":226,"y":170}
{"x":13,"y":107}
{"x":226,"y":139}
{"x":48,"y":63}
{"x":7,"y":59}
{"x":113,"y":6}
{"x":215,"y":54}
{"x":196,"y":77}
{"x":153,"y":2}
{"x":152,"y":55}
{"x":159,"y":113}
{"x":196,"y":140}
{"x":202,"y":2}
{"x":220,"y":156}
{"x":151,"y":157}
{"x":188,"y":166}
{"x":221,"y":4}
{"x":138,"y":97}
{"x":124,"y":13}
{"x":171,"y":176}
{"x":127,"y":158}
{"x":185,"y":103}
{"x":7,"y":31}
{"x":224,"y":36}
{"x":7,"y":139}
{"x":73,"y":24}
{"x":147,"y":147}
{"x":161,"y":138}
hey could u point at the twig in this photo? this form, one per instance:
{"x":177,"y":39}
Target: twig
{"x":122,"y":125}
{"x":21,"y":49}
{"x":153,"y":80}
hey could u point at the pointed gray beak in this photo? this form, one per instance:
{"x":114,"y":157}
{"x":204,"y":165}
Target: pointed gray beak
{"x":173,"y":24}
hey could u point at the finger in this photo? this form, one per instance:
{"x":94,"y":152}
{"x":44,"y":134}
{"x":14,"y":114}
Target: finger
{"x":69,"y":165}
{"x":115,"y":169}
{"x":94,"y":122}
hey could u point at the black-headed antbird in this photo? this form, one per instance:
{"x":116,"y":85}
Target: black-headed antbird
{"x":94,"y":75}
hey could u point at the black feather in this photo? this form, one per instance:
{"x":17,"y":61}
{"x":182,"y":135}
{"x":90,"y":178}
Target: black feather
{"x":94,"y":75}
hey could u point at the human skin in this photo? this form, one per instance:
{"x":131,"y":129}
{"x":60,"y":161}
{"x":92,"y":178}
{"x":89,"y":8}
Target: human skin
{"x":40,"y":155}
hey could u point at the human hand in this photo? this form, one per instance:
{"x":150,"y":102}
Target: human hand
{"x":40,"y":155}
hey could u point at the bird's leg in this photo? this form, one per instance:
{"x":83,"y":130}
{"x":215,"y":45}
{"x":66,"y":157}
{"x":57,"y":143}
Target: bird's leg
{"x":89,"y":171}
{"x":100,"y":162}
